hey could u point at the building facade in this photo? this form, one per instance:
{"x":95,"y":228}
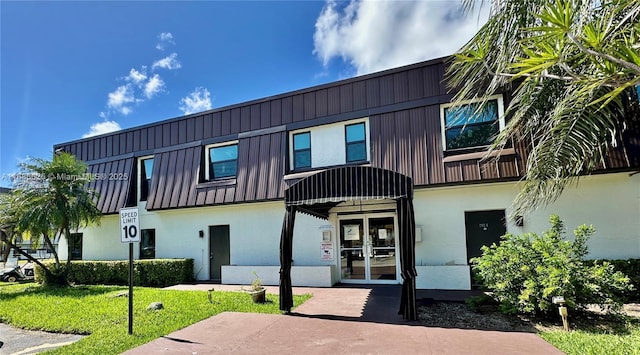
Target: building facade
{"x":211,"y":186}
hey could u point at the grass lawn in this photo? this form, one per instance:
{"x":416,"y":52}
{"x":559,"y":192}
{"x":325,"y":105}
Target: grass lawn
{"x":99,"y":313}
{"x":622,"y":338}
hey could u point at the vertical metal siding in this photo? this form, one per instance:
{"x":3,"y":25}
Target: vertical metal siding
{"x":276,"y":112}
{"x":287,"y":109}
{"x":359,"y":96}
{"x":373,"y":92}
{"x":321,"y":102}
{"x":309,"y":105}
{"x":265,"y":114}
{"x":298,"y":107}
{"x":333,"y":100}
{"x":235,"y":120}
{"x":245,"y":119}
{"x":226,"y":123}
{"x":400,"y":87}
{"x":346,"y":98}
{"x":386,"y":90}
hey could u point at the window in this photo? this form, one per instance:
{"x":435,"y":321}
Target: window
{"x":223,"y":161}
{"x":148,"y":244}
{"x":356,"y":142}
{"x":302,"y":150}
{"x":75,"y":246}
{"x":146,"y":168}
{"x":471,"y":125}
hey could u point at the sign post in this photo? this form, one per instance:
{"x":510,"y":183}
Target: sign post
{"x":130,"y":233}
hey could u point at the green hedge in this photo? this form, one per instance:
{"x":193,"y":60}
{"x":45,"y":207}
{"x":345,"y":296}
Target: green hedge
{"x":149,"y":273}
{"x":631,"y":268}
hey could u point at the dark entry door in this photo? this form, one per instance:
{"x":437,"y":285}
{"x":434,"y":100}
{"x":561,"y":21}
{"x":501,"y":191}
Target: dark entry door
{"x":483,"y":228}
{"x":218,"y":251}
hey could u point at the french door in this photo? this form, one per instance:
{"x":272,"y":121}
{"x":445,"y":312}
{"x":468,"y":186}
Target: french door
{"x":368,"y":248}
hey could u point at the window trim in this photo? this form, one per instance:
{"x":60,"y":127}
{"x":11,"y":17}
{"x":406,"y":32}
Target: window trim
{"x":346,"y":143}
{"x":501,"y":120}
{"x":208,"y":162}
{"x":140,"y":171}
{"x":294,"y":150}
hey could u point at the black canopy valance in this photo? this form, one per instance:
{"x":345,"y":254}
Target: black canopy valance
{"x":318,"y":193}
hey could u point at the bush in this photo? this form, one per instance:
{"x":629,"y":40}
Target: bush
{"x":631,"y":268}
{"x":526,"y":271}
{"x":150,"y":273}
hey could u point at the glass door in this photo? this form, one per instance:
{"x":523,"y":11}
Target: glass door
{"x":368,"y":249}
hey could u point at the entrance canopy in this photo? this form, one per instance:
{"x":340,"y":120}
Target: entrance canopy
{"x":318,"y":193}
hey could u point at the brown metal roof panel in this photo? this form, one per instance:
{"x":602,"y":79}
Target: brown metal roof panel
{"x":470,"y":170}
{"x":236,"y":120}
{"x":221,"y":193}
{"x":198,"y":128}
{"x":333,"y":100}
{"x":207,"y":129}
{"x":274,"y":175}
{"x":226,"y":123}
{"x":298,"y":108}
{"x":263,"y":186}
{"x":186,"y":184}
{"x":201,"y":197}
{"x":309,"y":105}
{"x":415,"y":84}
{"x":182,"y":131}
{"x":245,"y":119}
{"x":254,"y":163}
{"x":507,"y":166}
{"x":194,"y":178}
{"x":265,"y":114}
{"x":216,"y":124}
{"x":488,"y":169}
{"x":346,"y":98}
{"x":210,"y":196}
{"x":386,"y":90}
{"x":404,"y":156}
{"x":158,"y":176}
{"x":453,"y":172}
{"x":177,"y":180}
{"x":191,"y":129}
{"x":174,"y":133}
{"x":400,"y":87}
{"x":124,"y":185}
{"x":255,"y":117}
{"x":434,"y":145}
{"x":373,"y":92}
{"x":229,"y":194}
{"x":321,"y":102}
{"x":286,"y":109}
{"x":171,"y":173}
{"x":243,"y":170}
{"x":108,"y":189}
{"x":157,"y":136}
{"x":359,"y":95}
{"x":123,"y":143}
{"x":419,"y":144}
{"x":276,"y":112}
{"x":433,"y":77}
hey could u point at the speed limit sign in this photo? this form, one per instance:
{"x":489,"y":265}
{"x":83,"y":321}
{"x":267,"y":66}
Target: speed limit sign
{"x":129,"y":225}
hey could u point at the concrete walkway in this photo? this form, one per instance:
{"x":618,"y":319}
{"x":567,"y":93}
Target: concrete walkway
{"x":338,"y":320}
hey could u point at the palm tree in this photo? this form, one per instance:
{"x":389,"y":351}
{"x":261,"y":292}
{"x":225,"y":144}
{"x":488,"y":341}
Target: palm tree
{"x":574,"y":66}
{"x":55,"y":198}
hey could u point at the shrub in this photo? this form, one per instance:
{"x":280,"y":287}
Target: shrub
{"x":631,"y":268}
{"x":526,"y":271}
{"x":150,"y":273}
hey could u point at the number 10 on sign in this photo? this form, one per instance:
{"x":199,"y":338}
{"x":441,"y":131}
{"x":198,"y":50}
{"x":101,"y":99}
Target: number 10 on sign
{"x":129,"y":225}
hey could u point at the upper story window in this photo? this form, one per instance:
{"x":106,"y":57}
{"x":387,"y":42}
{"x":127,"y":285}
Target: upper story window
{"x":145,"y":165}
{"x":302,"y":150}
{"x":223,"y":161}
{"x":329,"y":145}
{"x":356,"y":142}
{"x":472,"y":125}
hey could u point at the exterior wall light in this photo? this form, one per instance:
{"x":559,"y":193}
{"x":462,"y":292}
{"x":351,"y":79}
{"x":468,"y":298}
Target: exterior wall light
{"x":201,"y":233}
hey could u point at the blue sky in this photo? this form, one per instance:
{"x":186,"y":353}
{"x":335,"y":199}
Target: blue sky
{"x":71,"y":69}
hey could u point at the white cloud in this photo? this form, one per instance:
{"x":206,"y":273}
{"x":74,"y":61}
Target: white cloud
{"x":377,"y":35}
{"x":101,"y":128}
{"x":169,"y":62}
{"x":137,"y":77}
{"x":197,"y":101}
{"x":164,"y":39}
{"x":119,"y":99}
{"x":153,"y":86}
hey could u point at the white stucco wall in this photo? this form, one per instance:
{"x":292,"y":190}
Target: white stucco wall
{"x":610,"y":202}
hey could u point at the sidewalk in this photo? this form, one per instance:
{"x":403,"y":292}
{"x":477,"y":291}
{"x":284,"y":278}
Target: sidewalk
{"x":338,"y":320}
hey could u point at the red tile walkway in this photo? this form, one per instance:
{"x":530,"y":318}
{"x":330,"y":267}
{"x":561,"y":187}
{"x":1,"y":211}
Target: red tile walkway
{"x":338,"y":320}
